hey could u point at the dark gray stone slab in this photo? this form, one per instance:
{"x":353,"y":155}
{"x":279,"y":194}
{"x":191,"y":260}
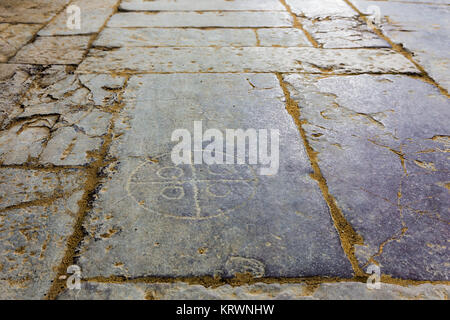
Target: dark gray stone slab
{"x":383,"y":153}
{"x":156,"y":219}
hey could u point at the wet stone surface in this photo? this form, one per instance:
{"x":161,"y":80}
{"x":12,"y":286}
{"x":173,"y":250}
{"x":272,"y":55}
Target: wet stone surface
{"x":223,"y":219}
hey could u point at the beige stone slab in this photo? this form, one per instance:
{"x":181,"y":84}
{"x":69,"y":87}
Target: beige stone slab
{"x":175,"y":37}
{"x":93,"y":16}
{"x":30,"y":11}
{"x":13,"y":37}
{"x":201,"y":19}
{"x":198,"y":5}
{"x":53,"y":50}
{"x":251,"y":59}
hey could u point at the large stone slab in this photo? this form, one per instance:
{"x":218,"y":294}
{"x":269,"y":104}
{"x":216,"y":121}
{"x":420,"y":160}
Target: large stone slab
{"x":191,"y":37}
{"x":193,"y":220}
{"x":422,"y":29}
{"x":175,"y":37}
{"x":313,"y":9}
{"x":33,"y":236}
{"x":383,"y":153}
{"x":93,"y":17}
{"x":201,"y":5}
{"x":259,"y":291}
{"x":343,"y":33}
{"x":30,"y":11}
{"x":201,"y":19}
{"x":249,"y":59}
{"x":13,"y":37}
{"x":53,"y":50}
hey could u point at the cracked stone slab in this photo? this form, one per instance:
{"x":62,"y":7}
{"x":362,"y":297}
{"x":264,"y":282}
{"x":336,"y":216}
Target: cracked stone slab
{"x":247,"y":59}
{"x":53,"y":50}
{"x":201,"y":5}
{"x":313,"y":9}
{"x":14,"y":82}
{"x":93,"y":16}
{"x":30,"y":11}
{"x":259,"y":291}
{"x":422,"y":29}
{"x":193,"y":220}
{"x":343,"y":33}
{"x":33,"y":237}
{"x":57,"y":122}
{"x":201,"y":19}
{"x":13,"y":37}
{"x":383,"y":153}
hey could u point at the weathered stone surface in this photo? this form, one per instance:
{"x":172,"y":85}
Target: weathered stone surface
{"x":267,"y":225}
{"x":68,"y":146}
{"x":343,"y":33}
{"x":200,"y":5}
{"x":283,"y":37}
{"x":13,"y":37}
{"x":189,"y":37}
{"x":176,"y":37}
{"x":422,"y":29}
{"x":14,"y":81}
{"x":250,"y":59}
{"x":260,"y":291}
{"x":30,"y":11}
{"x":57,"y":122}
{"x":53,"y":50}
{"x":25,"y":140}
{"x":201,"y":19}
{"x":314,"y":9}
{"x":383,"y":154}
{"x":33,"y":237}
{"x":93,"y":16}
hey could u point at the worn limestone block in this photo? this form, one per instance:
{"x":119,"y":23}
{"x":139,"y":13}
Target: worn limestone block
{"x":93,"y":16}
{"x":313,"y":9}
{"x":13,"y":37}
{"x":193,"y":220}
{"x":259,"y":291}
{"x":422,"y":29}
{"x":53,"y":50}
{"x":343,"y":33}
{"x":30,"y":11}
{"x":176,"y":37}
{"x":33,"y":235}
{"x":201,"y":19}
{"x":201,"y":5}
{"x":247,"y":59}
{"x":383,"y":153}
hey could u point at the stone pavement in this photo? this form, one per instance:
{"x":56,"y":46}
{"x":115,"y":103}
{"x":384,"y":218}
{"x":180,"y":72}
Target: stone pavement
{"x":87,"y":115}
